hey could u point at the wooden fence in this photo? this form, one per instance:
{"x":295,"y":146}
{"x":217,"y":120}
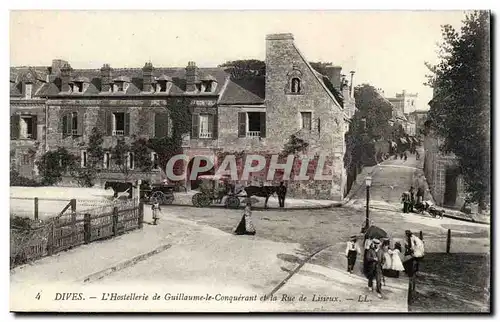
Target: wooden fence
{"x":72,"y":229}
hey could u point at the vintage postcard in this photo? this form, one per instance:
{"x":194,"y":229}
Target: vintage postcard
{"x":270,"y":161}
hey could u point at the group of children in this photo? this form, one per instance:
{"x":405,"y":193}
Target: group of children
{"x":380,"y":259}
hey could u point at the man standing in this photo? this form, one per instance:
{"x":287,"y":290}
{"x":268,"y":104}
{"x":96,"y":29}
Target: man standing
{"x":420,"y":194}
{"x":351,"y":252}
{"x":414,"y":248}
{"x":375,"y":260}
{"x":281,"y":192}
{"x":412,"y":199}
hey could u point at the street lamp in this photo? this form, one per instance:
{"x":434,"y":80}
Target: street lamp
{"x":368,"y":182}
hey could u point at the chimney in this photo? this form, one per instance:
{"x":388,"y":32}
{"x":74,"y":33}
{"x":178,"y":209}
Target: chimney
{"x":57,"y":64}
{"x":65,"y":77}
{"x":333,"y":74}
{"x":191,"y":77}
{"x":351,"y":89}
{"x":147,"y":77}
{"x":106,"y":78}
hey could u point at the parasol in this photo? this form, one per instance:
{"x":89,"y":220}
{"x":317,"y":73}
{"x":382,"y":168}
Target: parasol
{"x":375,"y":232}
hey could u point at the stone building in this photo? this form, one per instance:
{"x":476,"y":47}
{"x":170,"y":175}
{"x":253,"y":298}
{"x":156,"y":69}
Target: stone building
{"x":442,"y":174}
{"x":27,"y":117}
{"x":254,"y":113}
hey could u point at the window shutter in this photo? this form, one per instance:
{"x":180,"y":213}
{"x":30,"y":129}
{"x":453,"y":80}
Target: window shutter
{"x":14,"y":126}
{"x":215,"y":129}
{"x":161,"y":125}
{"x":263,"y":124}
{"x":109,"y":123}
{"x":242,"y":124}
{"x":101,"y":121}
{"x":210,"y":123}
{"x":69,"y":123}
{"x":79,"y":123}
{"x":195,"y":127}
{"x":64,"y":125}
{"x":127,"y":124}
{"x":170,"y":126}
{"x":34,"y":124}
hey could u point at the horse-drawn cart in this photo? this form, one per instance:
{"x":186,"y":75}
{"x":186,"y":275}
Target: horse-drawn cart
{"x":213,"y":190}
{"x":161,"y":193}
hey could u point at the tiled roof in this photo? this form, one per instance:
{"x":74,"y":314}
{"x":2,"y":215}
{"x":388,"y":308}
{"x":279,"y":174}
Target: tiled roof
{"x":248,"y":90}
{"x":176,"y":75}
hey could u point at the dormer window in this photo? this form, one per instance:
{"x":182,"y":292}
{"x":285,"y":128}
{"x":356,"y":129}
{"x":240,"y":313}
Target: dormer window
{"x":121,"y":84}
{"x":78,"y":87}
{"x":295,"y":85}
{"x":163,"y":84}
{"x":208,"y":84}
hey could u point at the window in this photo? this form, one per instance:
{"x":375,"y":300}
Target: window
{"x":118,"y":123}
{"x":155,"y":160}
{"x":28,"y":90}
{"x":306,"y":120}
{"x":119,"y":86}
{"x":27,"y":127}
{"x":207,"y":86}
{"x":131,"y":160}
{"x":205,"y":131}
{"x":26,"y":159}
{"x":74,"y":123}
{"x":83,"y":159}
{"x":252,"y":124}
{"x":319,"y":125}
{"x":162,"y":86}
{"x":107,"y":160}
{"x":78,"y":87}
{"x":295,"y":85}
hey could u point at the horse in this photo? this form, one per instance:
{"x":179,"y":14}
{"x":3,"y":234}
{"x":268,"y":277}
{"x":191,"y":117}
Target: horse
{"x":264,"y":191}
{"x":119,"y":188}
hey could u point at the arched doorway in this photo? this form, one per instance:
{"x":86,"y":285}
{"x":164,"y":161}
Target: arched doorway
{"x":195,"y":184}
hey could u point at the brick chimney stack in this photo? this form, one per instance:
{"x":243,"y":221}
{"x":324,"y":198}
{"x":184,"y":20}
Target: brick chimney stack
{"x":191,"y":77}
{"x":147,"y":77}
{"x":65,"y":77}
{"x":351,"y":89}
{"x":106,"y":78}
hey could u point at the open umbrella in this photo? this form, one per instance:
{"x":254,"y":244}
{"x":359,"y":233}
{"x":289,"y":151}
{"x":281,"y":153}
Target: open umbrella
{"x":375,"y":232}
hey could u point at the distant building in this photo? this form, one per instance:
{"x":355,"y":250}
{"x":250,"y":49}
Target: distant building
{"x":406,"y":102}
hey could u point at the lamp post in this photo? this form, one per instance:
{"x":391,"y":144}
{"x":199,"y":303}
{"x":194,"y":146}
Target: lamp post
{"x":368,"y":182}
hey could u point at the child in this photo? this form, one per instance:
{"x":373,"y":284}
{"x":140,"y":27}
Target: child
{"x":351,"y":252}
{"x":156,"y":209}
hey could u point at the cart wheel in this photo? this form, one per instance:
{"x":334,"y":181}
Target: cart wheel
{"x":232,"y":202}
{"x":169,"y":199}
{"x":196,"y":199}
{"x":158,"y":196}
{"x":204,"y":200}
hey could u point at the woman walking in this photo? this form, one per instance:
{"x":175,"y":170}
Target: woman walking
{"x":245,"y":226}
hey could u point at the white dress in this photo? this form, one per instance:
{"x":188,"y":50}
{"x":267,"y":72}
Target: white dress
{"x":396,"y":263}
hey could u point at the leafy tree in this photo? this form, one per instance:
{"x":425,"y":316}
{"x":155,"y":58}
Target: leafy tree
{"x":142,"y":155}
{"x":53,"y":164}
{"x":245,"y":68}
{"x":460,"y":109}
{"x":86,"y":176}
{"x":120,"y":153}
{"x":375,"y":110}
{"x":320,"y":66}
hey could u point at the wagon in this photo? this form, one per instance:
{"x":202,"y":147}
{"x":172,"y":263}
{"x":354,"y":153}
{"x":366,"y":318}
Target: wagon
{"x":213,"y":190}
{"x":160,"y":193}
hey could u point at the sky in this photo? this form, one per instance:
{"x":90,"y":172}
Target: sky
{"x":386,"y":49}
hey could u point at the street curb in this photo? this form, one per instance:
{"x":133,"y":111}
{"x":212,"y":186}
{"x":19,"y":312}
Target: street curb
{"x":105,"y":272}
{"x":468,"y":220}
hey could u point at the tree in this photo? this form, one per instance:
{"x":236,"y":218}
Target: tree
{"x":142,"y":155}
{"x":95,"y":155}
{"x":460,"y":109}
{"x":245,"y":68}
{"x":53,"y":164}
{"x":120,"y":154}
{"x":375,"y":110}
{"x":320,"y":66}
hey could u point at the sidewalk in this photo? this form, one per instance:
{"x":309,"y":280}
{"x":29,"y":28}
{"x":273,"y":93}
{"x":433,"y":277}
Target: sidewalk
{"x":184,"y":199}
{"x":200,"y":259}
